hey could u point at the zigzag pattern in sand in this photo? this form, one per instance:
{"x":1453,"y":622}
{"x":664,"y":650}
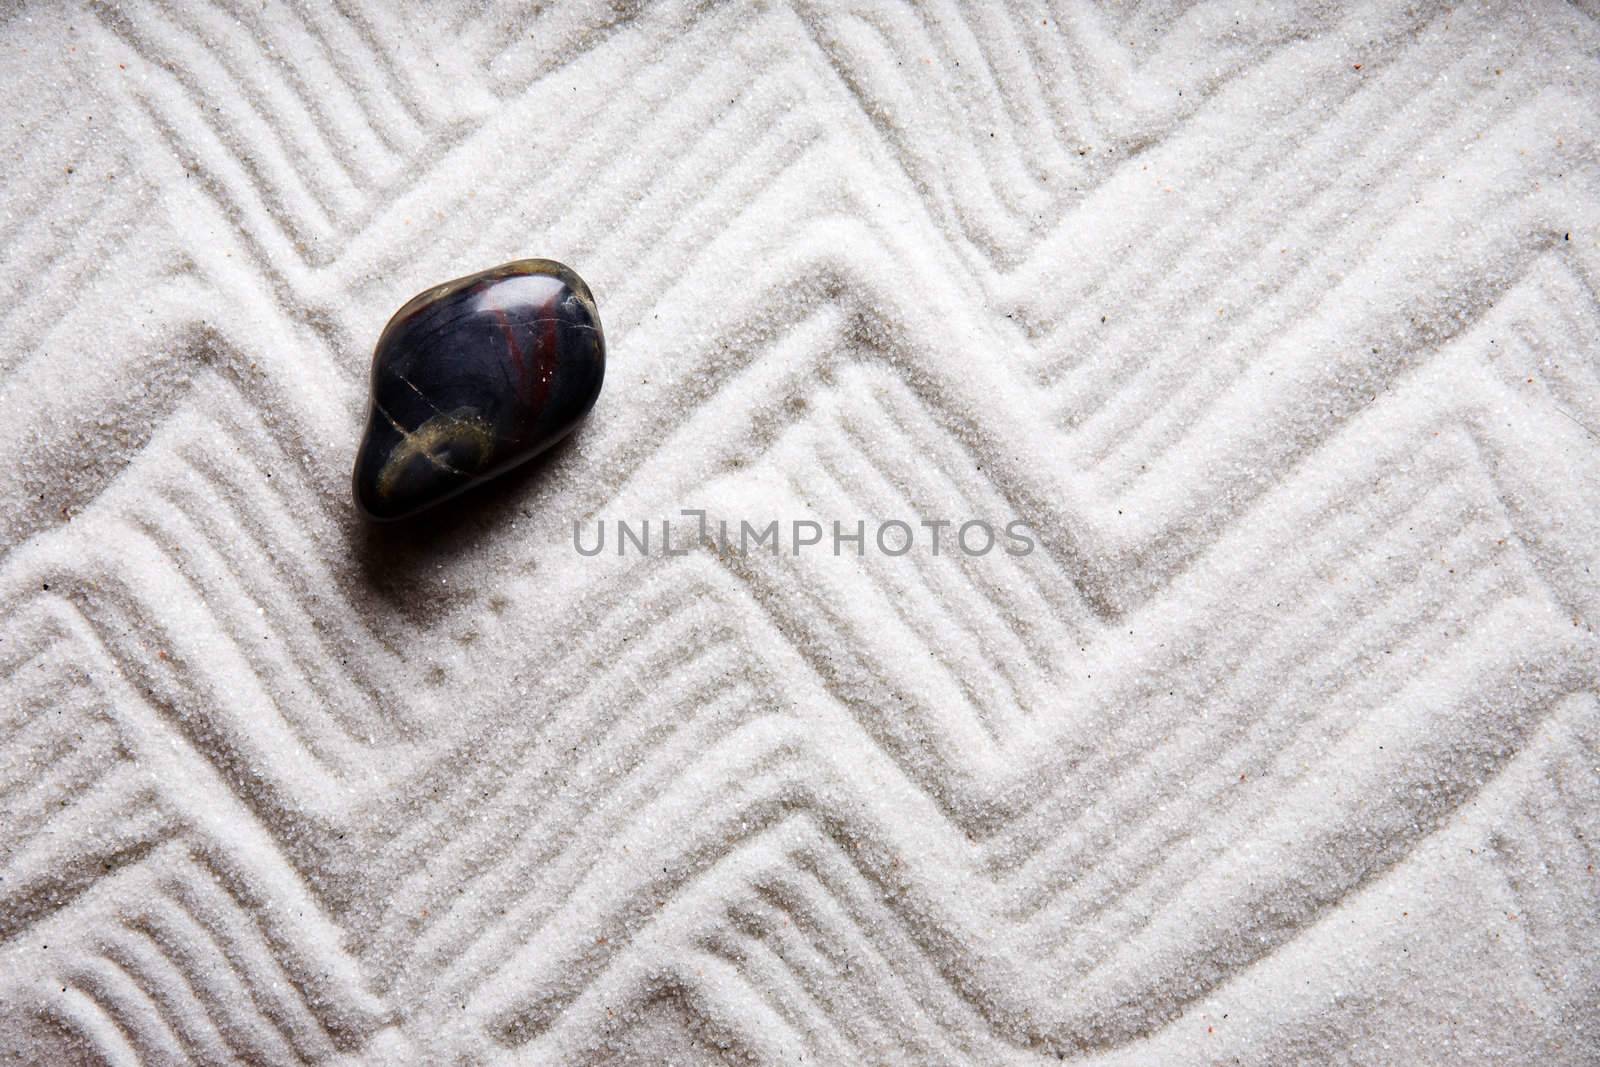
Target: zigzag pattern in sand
{"x":1280,"y":329}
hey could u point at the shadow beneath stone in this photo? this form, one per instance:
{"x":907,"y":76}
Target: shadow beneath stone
{"x":402,"y":561}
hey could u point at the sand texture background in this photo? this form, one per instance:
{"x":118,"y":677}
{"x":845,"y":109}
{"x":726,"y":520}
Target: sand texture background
{"x":1279,"y":323}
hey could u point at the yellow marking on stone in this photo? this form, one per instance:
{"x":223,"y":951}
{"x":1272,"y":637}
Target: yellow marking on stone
{"x":440,"y":434}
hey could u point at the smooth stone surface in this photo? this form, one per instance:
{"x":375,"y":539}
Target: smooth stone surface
{"x":471,"y":378}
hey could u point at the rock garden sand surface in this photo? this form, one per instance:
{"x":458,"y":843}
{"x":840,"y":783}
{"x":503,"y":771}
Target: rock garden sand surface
{"x":1278,"y":325}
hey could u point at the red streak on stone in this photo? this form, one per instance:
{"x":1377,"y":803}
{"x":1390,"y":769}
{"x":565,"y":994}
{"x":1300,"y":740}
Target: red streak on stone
{"x":515,"y":349}
{"x":533,"y":383}
{"x":548,"y":350}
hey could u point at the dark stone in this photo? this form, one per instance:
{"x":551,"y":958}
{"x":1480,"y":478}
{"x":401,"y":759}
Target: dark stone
{"x":473,"y":377}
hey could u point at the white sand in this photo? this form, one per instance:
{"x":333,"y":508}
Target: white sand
{"x":1279,"y":325}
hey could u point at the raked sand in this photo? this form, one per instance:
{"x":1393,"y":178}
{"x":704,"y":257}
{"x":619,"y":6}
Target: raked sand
{"x":1278,"y":324}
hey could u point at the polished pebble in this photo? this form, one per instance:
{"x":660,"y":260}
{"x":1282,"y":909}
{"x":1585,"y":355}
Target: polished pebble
{"x":474,"y":377}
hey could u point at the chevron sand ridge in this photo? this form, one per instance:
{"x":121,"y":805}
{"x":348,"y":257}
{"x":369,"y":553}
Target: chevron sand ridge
{"x":1277,"y":326}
